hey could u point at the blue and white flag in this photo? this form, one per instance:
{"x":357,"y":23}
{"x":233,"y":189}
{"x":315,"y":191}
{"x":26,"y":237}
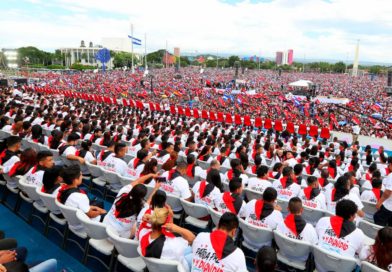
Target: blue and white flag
{"x":135,"y":40}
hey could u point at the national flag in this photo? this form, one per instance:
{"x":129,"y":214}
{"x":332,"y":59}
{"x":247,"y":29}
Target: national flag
{"x":377,"y":107}
{"x":356,"y":120}
{"x":135,"y":40}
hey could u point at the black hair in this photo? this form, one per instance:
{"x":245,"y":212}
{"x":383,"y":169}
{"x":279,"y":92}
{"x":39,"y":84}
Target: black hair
{"x":234,"y":184}
{"x":214,"y":177}
{"x":158,"y":200}
{"x":266,"y":259}
{"x":261,"y":171}
{"x":70,"y":173}
{"x":346,"y":208}
{"x":43,"y":155}
{"x":270,"y":194}
{"x":118,"y":147}
{"x":131,"y":203}
{"x":13,"y":140}
{"x":228,"y":221}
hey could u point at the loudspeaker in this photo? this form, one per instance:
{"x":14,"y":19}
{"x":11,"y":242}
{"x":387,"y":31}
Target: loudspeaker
{"x":20,"y":81}
{"x":4,"y":82}
{"x":389,"y":83}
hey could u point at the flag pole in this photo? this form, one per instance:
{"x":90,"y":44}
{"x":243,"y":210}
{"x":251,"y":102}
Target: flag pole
{"x":145,"y":52}
{"x":133,"y":70}
{"x":166,"y":55}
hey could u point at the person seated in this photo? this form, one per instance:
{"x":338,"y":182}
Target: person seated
{"x":311,"y":168}
{"x":311,"y":196}
{"x":266,"y":259}
{"x":263,"y":213}
{"x":69,"y":150}
{"x":219,"y":245}
{"x":70,"y":195}
{"x":193,"y":170}
{"x":105,"y":155}
{"x":136,"y":165}
{"x":176,"y":184}
{"x":44,"y":162}
{"x":116,"y":163}
{"x":367,"y":184}
{"x":94,"y":136}
{"x":323,"y":181}
{"x":52,"y":181}
{"x":37,"y":136}
{"x":237,"y":171}
{"x":286,"y":186}
{"x":298,"y":169}
{"x":10,"y":155}
{"x":56,"y":139}
{"x":232,"y":201}
{"x":222,"y":158}
{"x":290,"y":160}
{"x":276,"y":172}
{"x":206,"y":191}
{"x":341,"y":191}
{"x":191,"y":149}
{"x":205,"y":154}
{"x":373,"y":195}
{"x":125,"y":210}
{"x":164,"y":155}
{"x":160,"y":241}
{"x":261,"y":182}
{"x":339,"y":234}
{"x":295,"y":227}
{"x":380,"y":254}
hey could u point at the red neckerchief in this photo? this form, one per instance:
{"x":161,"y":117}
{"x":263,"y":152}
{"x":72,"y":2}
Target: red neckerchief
{"x":350,"y":168}
{"x":331,"y":172}
{"x":237,"y":155}
{"x":135,"y":163}
{"x":377,"y":192}
{"x":202,"y":187}
{"x":190,"y":170}
{"x":295,"y":224}
{"x":322,"y":181}
{"x":101,"y":141}
{"x":333,"y":194}
{"x":254,"y":154}
{"x":308,"y":168}
{"x":229,"y":202}
{"x":338,"y":162}
{"x":254,"y":168}
{"x":2,"y":155}
{"x":283,"y":181}
{"x":145,"y":241}
{"x":368,"y":176}
{"x":230,"y":174}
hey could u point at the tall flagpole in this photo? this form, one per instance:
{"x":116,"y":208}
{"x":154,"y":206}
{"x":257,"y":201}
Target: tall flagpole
{"x":166,"y":55}
{"x":133,"y":69}
{"x":145,"y":52}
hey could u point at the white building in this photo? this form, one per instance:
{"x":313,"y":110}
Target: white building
{"x":118,"y":44}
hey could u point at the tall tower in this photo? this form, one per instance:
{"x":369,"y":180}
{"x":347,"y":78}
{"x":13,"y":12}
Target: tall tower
{"x":355,"y":66}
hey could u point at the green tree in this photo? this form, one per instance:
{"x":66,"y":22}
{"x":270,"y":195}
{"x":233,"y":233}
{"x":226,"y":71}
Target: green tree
{"x":122,"y":59}
{"x":339,"y":67}
{"x":156,"y":57}
{"x":233,"y":59}
{"x":376,"y":69}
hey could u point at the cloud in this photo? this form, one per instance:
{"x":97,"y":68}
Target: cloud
{"x":317,"y":28}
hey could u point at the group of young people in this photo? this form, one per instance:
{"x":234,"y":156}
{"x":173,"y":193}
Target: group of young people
{"x":204,"y":162}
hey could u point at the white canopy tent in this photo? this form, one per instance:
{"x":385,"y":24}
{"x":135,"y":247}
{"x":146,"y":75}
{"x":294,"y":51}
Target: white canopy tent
{"x":301,"y":83}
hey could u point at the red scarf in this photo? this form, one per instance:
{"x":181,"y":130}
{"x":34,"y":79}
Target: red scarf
{"x":190,"y":170}
{"x":377,"y":192}
{"x":230,"y":174}
{"x":332,"y":171}
{"x":229,"y":201}
{"x":135,"y":163}
{"x":222,"y":244}
{"x":350,"y":168}
{"x":254,"y":169}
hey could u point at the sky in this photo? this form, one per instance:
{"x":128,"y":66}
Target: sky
{"x":314,"y":29}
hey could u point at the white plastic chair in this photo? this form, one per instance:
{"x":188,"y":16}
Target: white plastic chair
{"x":204,"y":165}
{"x":112,"y":179}
{"x":369,"y":229}
{"x":173,"y":201}
{"x":154,"y":264}
{"x":368,"y":267}
{"x":98,"y":238}
{"x":257,"y":235}
{"x":252,"y":194}
{"x":215,"y":216}
{"x":369,"y":209}
{"x":311,"y":215}
{"x":331,"y":261}
{"x":290,"y":250}
{"x":194,"y":212}
{"x":127,"y":250}
{"x":125,"y":180}
{"x":96,"y":173}
{"x":73,"y":223}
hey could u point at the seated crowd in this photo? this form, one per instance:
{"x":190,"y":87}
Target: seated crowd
{"x":207,"y":163}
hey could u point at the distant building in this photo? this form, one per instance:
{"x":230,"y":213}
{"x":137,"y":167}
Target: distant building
{"x":284,"y":57}
{"x":279,"y":58}
{"x":86,"y":55}
{"x":290,"y":57}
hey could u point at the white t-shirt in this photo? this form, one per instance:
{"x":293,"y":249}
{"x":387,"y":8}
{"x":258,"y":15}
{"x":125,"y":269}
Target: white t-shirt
{"x":178,"y":187}
{"x":173,"y":248}
{"x":70,"y":150}
{"x":80,"y":201}
{"x":222,"y":208}
{"x":208,"y":200}
{"x":346,"y":246}
{"x":9,"y":163}
{"x":122,"y":225}
{"x":318,"y":202}
{"x":308,"y":234}
{"x":258,"y":184}
{"x":204,"y":257}
{"x":288,"y":192}
{"x":34,"y":176}
{"x":331,"y":205}
{"x":270,"y":222}
{"x":117,"y":165}
{"x":387,"y":182}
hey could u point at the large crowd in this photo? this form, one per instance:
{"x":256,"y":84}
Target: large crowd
{"x":245,"y":177}
{"x":213,"y":90}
